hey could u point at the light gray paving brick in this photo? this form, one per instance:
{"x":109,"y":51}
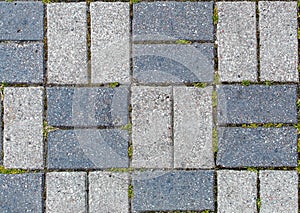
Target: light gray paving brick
{"x":278,"y":41}
{"x":67,"y":43}
{"x":66,"y":192}
{"x":278,"y":191}
{"x":151,"y":127}
{"x":23,"y":127}
{"x":108,"y":192}
{"x":237,"y":191}
{"x":110,"y":47}
{"x":237,"y":42}
{"x":193,"y":127}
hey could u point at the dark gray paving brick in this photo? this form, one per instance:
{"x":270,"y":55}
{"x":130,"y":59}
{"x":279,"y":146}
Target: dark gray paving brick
{"x":257,"y":147}
{"x":21,"y":63}
{"x":21,"y":21}
{"x":257,"y":104}
{"x":88,"y":148}
{"x":178,"y":190}
{"x":87,"y":106}
{"x":173,"y":21}
{"x":21,"y":193}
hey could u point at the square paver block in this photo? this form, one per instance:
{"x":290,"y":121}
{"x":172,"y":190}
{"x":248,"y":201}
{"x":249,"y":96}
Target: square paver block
{"x":23,"y":144}
{"x":161,"y":21}
{"x":178,"y":190}
{"x":279,"y":191}
{"x":21,"y":193}
{"x":257,"y":147}
{"x":193,"y":127}
{"x":173,"y":63}
{"x":66,"y":192}
{"x":67,"y":43}
{"x":278,"y":41}
{"x":88,"y":107}
{"x":237,"y":191}
{"x":152,"y":127}
{"x":21,"y":21}
{"x":237,"y":42}
{"x":108,"y":192}
{"x":21,"y":63}
{"x":110,"y":42}
{"x":88,"y":148}
{"x":257,"y":104}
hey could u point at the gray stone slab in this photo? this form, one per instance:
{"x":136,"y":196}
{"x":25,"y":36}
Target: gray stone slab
{"x":23,"y":143}
{"x":237,"y":191}
{"x":171,"y":63}
{"x":21,"y":63}
{"x":21,"y":21}
{"x":108,"y":192}
{"x":21,"y":193}
{"x":110,"y":42}
{"x":257,"y":104}
{"x":158,"y":21}
{"x":278,"y":41}
{"x":152,"y":127}
{"x":87,"y":106}
{"x":66,"y":192}
{"x":279,"y":191}
{"x":178,"y":190}
{"x":67,"y":43}
{"x":193,"y":127}
{"x":237,"y":42}
{"x":88,"y":148}
{"x":257,"y":147}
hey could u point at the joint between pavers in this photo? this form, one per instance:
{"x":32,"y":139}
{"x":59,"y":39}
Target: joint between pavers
{"x":88,"y":38}
{"x":257,"y":40}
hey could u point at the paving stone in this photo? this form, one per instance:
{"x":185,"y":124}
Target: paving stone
{"x":67,"y":43}
{"x":108,"y":192}
{"x":87,"y":106}
{"x":66,"y":192}
{"x":171,"y":63}
{"x":278,"y":191}
{"x":88,"y":148}
{"x":152,"y":127}
{"x":278,"y":41}
{"x":237,"y":191}
{"x":257,"y":147}
{"x":23,"y":144}
{"x":177,"y":190}
{"x":257,"y":104}
{"x":159,"y":21}
{"x":21,"y":63}
{"x":21,"y":193}
{"x":237,"y":42}
{"x":193,"y":127}
{"x":21,"y":21}
{"x":110,"y":42}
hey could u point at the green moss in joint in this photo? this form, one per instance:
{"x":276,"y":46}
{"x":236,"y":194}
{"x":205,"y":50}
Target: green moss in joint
{"x":251,"y":169}
{"x":269,"y":83}
{"x":47,"y":128}
{"x":130,"y":191}
{"x":130,"y":151}
{"x":214,"y":99}
{"x":113,"y":84}
{"x":245,"y":83}
{"x":183,"y":42}
{"x":134,"y":1}
{"x":200,"y":85}
{"x":258,"y":203}
{"x":127,"y":127}
{"x":215,"y":16}
{"x":121,"y":169}
{"x":216,"y":78}
{"x":215,"y":140}
{"x":2,"y":86}
{"x":46,"y":1}
{"x":12,"y":171}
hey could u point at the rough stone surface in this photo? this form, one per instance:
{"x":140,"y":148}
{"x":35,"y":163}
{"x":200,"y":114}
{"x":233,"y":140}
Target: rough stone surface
{"x":67,"y":43}
{"x":151,"y":127}
{"x":237,"y":191}
{"x":237,"y":42}
{"x":178,"y":190}
{"x":257,"y":147}
{"x":279,"y":191}
{"x":21,"y":21}
{"x":110,"y":42}
{"x":108,"y":192}
{"x":23,"y":127}
{"x":278,"y":41}
{"x":21,"y":193}
{"x":257,"y":104}
{"x":193,"y":128}
{"x":66,"y":192}
{"x":158,"y":21}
